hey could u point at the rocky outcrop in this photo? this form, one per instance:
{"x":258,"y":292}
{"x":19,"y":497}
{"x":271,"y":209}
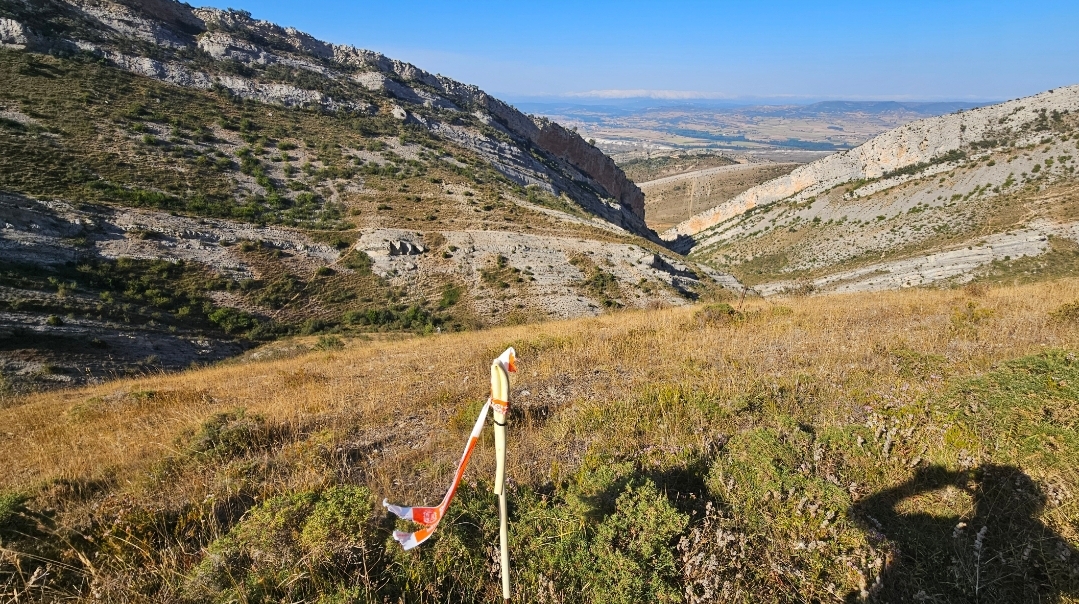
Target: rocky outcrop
{"x":16,"y":35}
{"x":166,"y":72}
{"x":926,"y":141}
{"x":410,"y":84}
{"x":957,"y":264}
{"x":570,"y":147}
{"x":376,"y":81}
{"x":549,"y":136}
{"x":402,"y":247}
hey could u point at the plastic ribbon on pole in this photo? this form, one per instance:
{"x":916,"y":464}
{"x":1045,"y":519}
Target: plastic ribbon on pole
{"x":429,"y":517}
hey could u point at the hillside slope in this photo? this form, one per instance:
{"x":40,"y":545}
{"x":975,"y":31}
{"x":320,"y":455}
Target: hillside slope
{"x":948,"y":198}
{"x":785,"y":453}
{"x":671,"y":199}
{"x":179,"y":184}
{"x":228,"y":51}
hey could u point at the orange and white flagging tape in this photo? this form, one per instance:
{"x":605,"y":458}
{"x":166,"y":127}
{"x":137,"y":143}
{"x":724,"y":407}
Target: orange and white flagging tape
{"x":429,"y":517}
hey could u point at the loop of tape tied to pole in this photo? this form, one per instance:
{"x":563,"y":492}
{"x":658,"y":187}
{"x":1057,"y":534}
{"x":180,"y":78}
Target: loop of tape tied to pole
{"x":429,"y":517}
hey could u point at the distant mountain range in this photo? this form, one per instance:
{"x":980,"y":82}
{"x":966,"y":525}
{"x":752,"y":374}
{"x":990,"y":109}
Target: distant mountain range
{"x":840,"y":108}
{"x":654,"y":124}
{"x":630,"y":106}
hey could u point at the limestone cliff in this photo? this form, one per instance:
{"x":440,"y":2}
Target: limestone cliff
{"x":570,"y":147}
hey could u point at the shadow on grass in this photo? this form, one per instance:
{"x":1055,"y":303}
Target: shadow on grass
{"x":999,"y":552}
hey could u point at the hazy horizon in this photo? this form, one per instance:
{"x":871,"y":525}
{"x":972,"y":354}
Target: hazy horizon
{"x":720,"y":103}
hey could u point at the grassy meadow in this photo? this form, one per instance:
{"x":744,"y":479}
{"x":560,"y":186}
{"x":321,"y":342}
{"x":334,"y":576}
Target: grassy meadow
{"x":920,"y":445}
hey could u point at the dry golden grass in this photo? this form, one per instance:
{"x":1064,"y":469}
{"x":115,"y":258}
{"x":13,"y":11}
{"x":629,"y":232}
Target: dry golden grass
{"x":411,"y":390}
{"x":659,"y":390}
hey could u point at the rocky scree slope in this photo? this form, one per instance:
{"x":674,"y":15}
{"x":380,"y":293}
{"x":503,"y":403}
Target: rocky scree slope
{"x":989,"y":194}
{"x":207,"y":48}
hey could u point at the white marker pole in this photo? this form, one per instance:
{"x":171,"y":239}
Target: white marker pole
{"x":500,"y":397}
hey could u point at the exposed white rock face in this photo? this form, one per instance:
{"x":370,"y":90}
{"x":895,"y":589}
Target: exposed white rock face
{"x":232,"y":21}
{"x":406,"y":248}
{"x":224,"y":46}
{"x":917,"y":142}
{"x":282,"y":93}
{"x":220,"y":45}
{"x":15,"y":35}
{"x":958,"y":263}
{"x":373,"y":80}
{"x":166,"y":72}
{"x":173,"y":73}
{"x":130,"y":23}
{"x":35,"y":233}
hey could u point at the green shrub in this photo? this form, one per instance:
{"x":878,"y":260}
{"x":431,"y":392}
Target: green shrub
{"x":279,"y":292}
{"x":313,"y":325}
{"x":718,"y":314}
{"x":781,"y":311}
{"x":11,"y":507}
{"x":337,"y":241}
{"x":356,"y":260}
{"x":307,"y":546}
{"x":233,"y":320}
{"x":633,"y":549}
{"x":951,"y":156}
{"x":607,"y":535}
{"x":413,"y":318}
{"x":230,"y":433}
{"x":970,"y":316}
{"x":451,"y":294}
{"x":1068,"y":313}
{"x":330,"y":343}
{"x":767,"y":506}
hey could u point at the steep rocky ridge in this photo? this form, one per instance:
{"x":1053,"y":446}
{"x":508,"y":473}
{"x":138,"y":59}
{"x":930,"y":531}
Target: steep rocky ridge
{"x":992,"y":196}
{"x":204,"y":183}
{"x":925,"y":141}
{"x":206,"y":48}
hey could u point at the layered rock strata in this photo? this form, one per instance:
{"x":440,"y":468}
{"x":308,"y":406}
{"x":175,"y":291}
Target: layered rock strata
{"x":926,"y":142}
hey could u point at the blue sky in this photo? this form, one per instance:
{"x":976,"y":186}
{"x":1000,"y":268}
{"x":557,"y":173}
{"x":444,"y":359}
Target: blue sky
{"x":911,"y":50}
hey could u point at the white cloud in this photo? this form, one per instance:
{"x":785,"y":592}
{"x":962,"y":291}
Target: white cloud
{"x":647,"y":94}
